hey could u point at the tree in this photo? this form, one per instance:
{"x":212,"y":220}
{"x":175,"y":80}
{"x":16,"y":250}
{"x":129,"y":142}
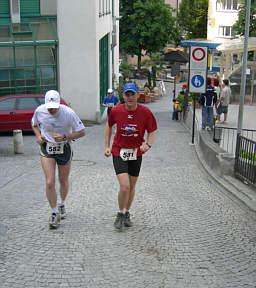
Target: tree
{"x":146,"y":25}
{"x":126,"y":70}
{"x":155,"y":62}
{"x":239,"y":26}
{"x":192,"y":17}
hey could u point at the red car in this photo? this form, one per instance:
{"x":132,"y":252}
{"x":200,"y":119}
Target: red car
{"x":16,"y":111}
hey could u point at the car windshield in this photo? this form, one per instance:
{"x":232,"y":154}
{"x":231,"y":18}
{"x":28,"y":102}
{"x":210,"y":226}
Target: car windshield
{"x":7,"y":104}
{"x":27,"y":103}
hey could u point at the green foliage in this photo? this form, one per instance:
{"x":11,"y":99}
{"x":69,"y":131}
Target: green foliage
{"x":239,"y":26}
{"x":126,"y":70}
{"x":180,"y":99}
{"x":145,"y":25}
{"x":155,"y":62}
{"x":248,"y":155}
{"x":120,"y":88}
{"x":192,"y":18}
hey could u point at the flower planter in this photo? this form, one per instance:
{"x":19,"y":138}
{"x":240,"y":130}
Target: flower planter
{"x":143,"y":98}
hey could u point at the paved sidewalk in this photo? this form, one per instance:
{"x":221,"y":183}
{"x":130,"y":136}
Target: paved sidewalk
{"x":189,"y":232}
{"x":249,"y":116}
{"x":244,"y":192}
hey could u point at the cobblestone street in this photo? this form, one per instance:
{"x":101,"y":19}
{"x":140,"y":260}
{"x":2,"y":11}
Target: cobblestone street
{"x":188,"y":231}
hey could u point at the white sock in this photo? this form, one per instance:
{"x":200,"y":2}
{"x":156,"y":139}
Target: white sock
{"x":61,"y":203}
{"x":54,"y":210}
{"x":123,"y":211}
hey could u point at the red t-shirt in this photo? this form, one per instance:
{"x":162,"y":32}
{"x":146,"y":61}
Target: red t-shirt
{"x":131,"y":127}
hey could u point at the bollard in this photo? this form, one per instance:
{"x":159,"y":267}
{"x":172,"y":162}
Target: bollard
{"x":18,"y":142}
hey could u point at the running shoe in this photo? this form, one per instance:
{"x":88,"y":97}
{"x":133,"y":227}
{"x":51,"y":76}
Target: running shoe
{"x":119,"y":222}
{"x":62,"y":211}
{"x":127,"y":220}
{"x":54,"y":221}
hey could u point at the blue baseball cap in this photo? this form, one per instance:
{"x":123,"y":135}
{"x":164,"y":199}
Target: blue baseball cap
{"x":130,"y":87}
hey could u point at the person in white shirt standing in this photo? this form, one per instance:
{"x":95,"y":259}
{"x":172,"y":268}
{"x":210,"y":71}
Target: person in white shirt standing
{"x":224,"y":100}
{"x":55,"y":125}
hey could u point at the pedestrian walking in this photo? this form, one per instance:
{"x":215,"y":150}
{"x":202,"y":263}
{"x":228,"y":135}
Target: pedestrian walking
{"x":183,"y":89}
{"x":224,"y":101}
{"x":132,"y":121}
{"x":110,"y":101}
{"x":162,"y":88}
{"x":217,"y":87}
{"x":55,"y":125}
{"x":176,"y":110}
{"x":208,"y":100}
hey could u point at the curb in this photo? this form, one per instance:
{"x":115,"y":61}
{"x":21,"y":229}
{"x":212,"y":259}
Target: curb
{"x":242,"y":192}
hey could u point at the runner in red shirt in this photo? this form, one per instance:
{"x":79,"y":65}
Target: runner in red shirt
{"x":132,"y":120}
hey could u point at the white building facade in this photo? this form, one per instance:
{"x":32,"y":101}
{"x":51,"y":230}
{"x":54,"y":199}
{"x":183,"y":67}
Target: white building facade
{"x":222,"y":15}
{"x":88,"y":53}
{"x":173,"y":3}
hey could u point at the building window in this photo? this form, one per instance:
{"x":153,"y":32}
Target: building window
{"x":28,"y":66}
{"x":30,"y":7}
{"x":4,"y":8}
{"x":225,"y":31}
{"x":104,"y":7}
{"x":227,"y":5}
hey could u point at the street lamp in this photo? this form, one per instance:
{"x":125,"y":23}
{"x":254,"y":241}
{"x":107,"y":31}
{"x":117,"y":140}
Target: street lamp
{"x":243,"y":77}
{"x":244,"y":67}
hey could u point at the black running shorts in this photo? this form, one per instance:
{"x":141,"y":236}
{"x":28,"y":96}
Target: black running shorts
{"x":132,"y":167}
{"x":61,"y":159}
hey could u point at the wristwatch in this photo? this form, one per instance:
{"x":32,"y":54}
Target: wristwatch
{"x":64,"y":137}
{"x":149,"y":146}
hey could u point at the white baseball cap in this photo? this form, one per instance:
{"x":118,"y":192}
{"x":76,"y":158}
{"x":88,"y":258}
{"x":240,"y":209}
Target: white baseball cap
{"x":110,"y":90}
{"x":52,"y":99}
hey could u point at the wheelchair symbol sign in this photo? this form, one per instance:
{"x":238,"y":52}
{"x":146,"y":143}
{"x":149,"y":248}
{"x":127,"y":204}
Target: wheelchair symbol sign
{"x":197,"y":81}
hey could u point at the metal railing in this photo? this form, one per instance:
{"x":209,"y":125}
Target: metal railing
{"x":245,"y":160}
{"x":226,"y":137}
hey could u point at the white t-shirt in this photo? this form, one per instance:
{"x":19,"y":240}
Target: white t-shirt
{"x":65,"y":121}
{"x":226,"y":94}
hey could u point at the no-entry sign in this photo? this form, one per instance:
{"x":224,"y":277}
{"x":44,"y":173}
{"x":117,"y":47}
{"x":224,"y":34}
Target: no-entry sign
{"x":198,"y":54}
{"x":198,"y":69}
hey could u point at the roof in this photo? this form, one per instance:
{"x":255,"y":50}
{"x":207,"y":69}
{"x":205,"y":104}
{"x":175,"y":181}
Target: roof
{"x":207,"y":43}
{"x":237,"y":45}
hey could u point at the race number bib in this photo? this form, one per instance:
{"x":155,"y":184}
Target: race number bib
{"x":55,"y":148}
{"x":128,"y":154}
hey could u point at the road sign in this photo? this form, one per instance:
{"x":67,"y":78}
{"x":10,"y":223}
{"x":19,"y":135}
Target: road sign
{"x":197,"y":81}
{"x":198,"y":69}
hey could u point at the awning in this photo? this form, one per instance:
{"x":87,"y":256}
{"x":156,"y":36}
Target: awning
{"x":206,"y":43}
{"x":176,"y":56}
{"x":237,"y":45}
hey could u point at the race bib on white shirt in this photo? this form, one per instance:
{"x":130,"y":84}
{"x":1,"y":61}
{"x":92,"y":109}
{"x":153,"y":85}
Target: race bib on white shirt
{"x":128,"y":154}
{"x":55,"y":148}
{"x":65,"y":121}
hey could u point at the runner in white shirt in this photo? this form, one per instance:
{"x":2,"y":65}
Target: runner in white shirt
{"x":55,"y":125}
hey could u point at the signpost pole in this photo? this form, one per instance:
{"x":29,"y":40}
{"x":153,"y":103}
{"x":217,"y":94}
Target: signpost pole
{"x":197,"y":76}
{"x":194,"y":116}
{"x":174,"y":88}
